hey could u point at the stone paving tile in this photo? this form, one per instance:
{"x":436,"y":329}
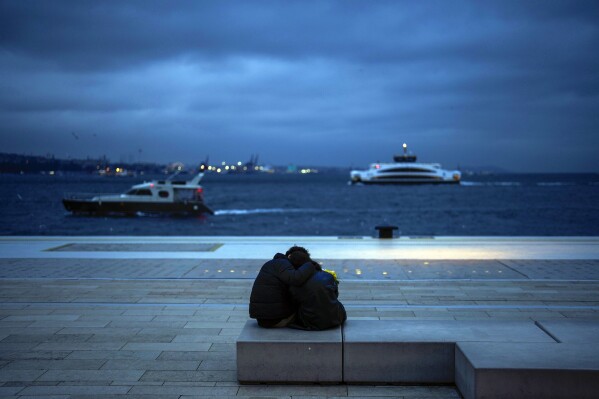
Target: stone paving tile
{"x":66,"y":324}
{"x":81,"y":346}
{"x":117,"y":318}
{"x":246,"y":397}
{"x":182,"y":331}
{"x":221,"y":339}
{"x":121,"y":354}
{"x":128,"y":396}
{"x":37,"y":317}
{"x":556,"y":269}
{"x":33,"y":355}
{"x":99,"y":382}
{"x":44,"y":397}
{"x":196,"y":355}
{"x":147,"y":324}
{"x":29,"y":330}
{"x":232,"y":331}
{"x":293,"y":390}
{"x":9,"y":346}
{"x":16,"y":324}
{"x":139,"y":364}
{"x":403,"y":391}
{"x":222,"y":347}
{"x":89,"y":311}
{"x":6,"y":391}
{"x":209,"y":375}
{"x":91,"y":375}
{"x":193,"y":384}
{"x":75,"y":390}
{"x":214,"y":324}
{"x":185,"y":390}
{"x":217,"y":365}
{"x":100,"y":330}
{"x":20,"y":375}
{"x":164,"y":312}
{"x":169,"y":346}
{"x":137,"y":383}
{"x":27,"y":310}
{"x":132,"y":338}
{"x":22,"y":338}
{"x":68,"y":364}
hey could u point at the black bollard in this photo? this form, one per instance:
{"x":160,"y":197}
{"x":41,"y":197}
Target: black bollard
{"x":386,"y":231}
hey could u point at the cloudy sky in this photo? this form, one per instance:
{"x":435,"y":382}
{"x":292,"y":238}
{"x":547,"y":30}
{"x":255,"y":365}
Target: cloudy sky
{"x":512,"y":84}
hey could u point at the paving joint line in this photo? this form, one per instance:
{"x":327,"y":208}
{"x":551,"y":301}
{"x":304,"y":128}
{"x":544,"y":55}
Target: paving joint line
{"x":547,"y":332}
{"x":511,"y":268}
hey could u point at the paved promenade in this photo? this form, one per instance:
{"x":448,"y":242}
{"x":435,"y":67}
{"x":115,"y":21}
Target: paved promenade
{"x":155,"y":317}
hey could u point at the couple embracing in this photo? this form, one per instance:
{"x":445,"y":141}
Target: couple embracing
{"x":292,"y":290}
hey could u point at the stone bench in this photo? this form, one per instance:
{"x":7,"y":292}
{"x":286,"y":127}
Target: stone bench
{"x":496,"y":370}
{"x":288,"y":355}
{"x":512,"y":358}
{"x":420,"y":351}
{"x":568,"y":368}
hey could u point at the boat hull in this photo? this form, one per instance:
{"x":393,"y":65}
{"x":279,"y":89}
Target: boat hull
{"x":95,"y":207}
{"x":405,"y":182}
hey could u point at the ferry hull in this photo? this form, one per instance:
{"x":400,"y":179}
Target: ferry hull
{"x":405,"y":182}
{"x":93,"y":207}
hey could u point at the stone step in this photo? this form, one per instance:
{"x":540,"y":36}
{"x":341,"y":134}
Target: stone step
{"x":527,"y":370}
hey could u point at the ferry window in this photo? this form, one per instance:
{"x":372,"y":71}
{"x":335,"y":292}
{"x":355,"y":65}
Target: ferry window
{"x":163,"y":194}
{"x":144,"y":192}
{"x":410,"y":170}
{"x":131,"y":192}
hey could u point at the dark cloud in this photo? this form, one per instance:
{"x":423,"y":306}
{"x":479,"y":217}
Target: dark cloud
{"x":509,"y":83}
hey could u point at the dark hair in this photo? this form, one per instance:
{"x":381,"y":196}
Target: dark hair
{"x":295,"y":248}
{"x":298,"y":258}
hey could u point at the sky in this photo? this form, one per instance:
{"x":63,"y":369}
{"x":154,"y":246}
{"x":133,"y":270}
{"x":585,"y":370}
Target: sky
{"x":506,"y":84}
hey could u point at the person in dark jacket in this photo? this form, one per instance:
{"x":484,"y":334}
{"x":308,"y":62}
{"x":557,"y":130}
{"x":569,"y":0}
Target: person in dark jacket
{"x":318,"y":306}
{"x":270,"y":300}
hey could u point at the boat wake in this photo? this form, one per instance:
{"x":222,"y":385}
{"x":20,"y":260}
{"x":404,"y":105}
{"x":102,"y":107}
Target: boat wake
{"x":254,"y":211}
{"x":495,"y":183}
{"x":555,"y":183}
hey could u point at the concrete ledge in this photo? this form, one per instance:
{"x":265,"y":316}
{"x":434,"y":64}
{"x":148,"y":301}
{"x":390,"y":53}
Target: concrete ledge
{"x":527,"y":370}
{"x":412,"y":351}
{"x":287,"y":355}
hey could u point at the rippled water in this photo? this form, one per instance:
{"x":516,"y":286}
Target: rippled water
{"x":323,"y":204}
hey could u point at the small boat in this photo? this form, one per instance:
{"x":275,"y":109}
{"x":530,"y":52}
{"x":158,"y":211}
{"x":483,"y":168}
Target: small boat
{"x":405,"y":170}
{"x":154,"y":197}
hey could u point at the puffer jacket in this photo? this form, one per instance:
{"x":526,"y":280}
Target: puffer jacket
{"x":318,"y":306}
{"x":270,"y":298}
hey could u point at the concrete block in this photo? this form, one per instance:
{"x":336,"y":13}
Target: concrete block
{"x":420,"y":351}
{"x":288,"y":355}
{"x":572,"y":331}
{"x":527,"y":370}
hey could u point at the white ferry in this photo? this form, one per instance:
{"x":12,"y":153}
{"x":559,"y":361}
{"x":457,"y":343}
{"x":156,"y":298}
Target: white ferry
{"x":157,"y":196}
{"x":405,"y":170}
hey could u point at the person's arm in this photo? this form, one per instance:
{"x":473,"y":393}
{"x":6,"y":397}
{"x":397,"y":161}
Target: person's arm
{"x":296,"y":277}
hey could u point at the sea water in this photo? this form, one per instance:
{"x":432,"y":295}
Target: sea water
{"x":320,"y":204}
